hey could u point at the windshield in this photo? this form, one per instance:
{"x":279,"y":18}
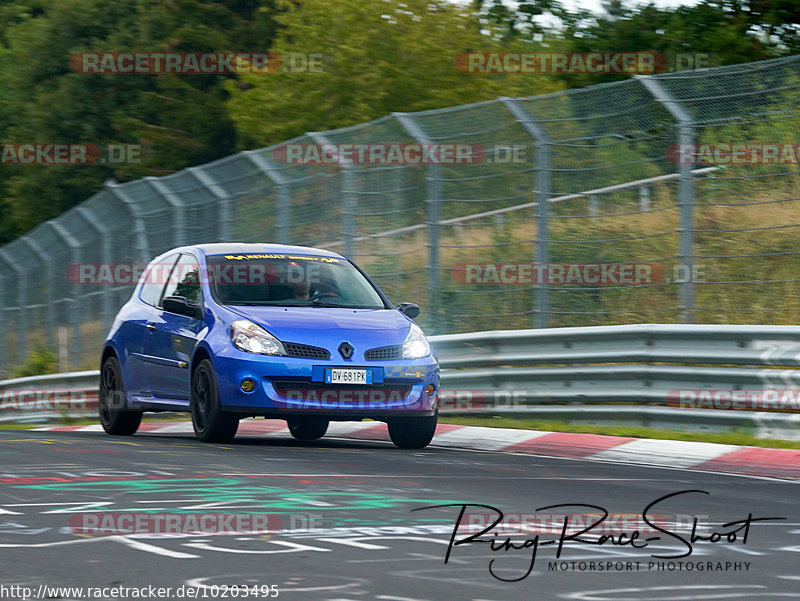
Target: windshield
{"x":290,"y":281}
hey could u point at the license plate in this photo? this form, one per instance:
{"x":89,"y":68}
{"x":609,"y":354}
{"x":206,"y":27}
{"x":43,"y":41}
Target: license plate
{"x":348,"y":376}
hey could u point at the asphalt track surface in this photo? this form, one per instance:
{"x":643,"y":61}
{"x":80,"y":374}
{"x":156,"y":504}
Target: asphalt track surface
{"x":346,"y":528}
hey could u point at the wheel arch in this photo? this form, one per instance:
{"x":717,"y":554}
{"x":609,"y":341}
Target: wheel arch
{"x":108,"y":351}
{"x":200,"y":354}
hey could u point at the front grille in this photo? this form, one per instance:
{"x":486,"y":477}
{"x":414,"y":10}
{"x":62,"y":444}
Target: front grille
{"x":351,"y":393}
{"x":384,"y":353}
{"x":305,"y":351}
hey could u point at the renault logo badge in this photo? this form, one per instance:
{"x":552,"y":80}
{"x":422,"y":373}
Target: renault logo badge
{"x":346,"y":350}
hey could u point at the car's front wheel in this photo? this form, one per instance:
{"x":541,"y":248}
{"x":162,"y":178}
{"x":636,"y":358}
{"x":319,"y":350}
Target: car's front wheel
{"x":412,"y":432}
{"x":307,"y":428}
{"x":115,"y":417}
{"x":211,"y":423}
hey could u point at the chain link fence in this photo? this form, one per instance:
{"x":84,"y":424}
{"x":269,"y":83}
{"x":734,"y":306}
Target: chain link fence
{"x":617,"y":203}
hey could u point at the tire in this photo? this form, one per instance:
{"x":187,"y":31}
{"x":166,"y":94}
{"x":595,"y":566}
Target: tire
{"x":210,"y":422}
{"x":115,"y":417}
{"x":307,"y":428}
{"x":412,"y":432}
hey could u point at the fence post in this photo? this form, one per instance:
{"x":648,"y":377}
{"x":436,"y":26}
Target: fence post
{"x":3,"y":340}
{"x":543,"y":154}
{"x":223,"y":200}
{"x":142,"y":243}
{"x":22,"y":296}
{"x":283,"y":221}
{"x":49,"y":278}
{"x":433,"y":200}
{"x":104,"y":233}
{"x":75,"y":316}
{"x":685,"y":190}
{"x":347,"y":187}
{"x":178,"y":212}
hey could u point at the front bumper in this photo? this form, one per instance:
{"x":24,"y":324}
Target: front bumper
{"x":290,"y":386}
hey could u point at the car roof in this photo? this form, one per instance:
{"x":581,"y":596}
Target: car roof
{"x":250,"y":248}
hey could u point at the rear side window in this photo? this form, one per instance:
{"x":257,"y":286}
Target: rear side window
{"x":155,"y":278}
{"x":185,"y":280}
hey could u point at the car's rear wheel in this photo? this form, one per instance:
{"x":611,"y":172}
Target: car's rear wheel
{"x":412,"y":432}
{"x":115,"y":417}
{"x":211,"y":423}
{"x":307,"y":428}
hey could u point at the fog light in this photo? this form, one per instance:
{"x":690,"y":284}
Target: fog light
{"x":430,"y":389}
{"x":248,"y":385}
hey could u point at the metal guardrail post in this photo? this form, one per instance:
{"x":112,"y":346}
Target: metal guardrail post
{"x":543,"y":155}
{"x":142,"y":243}
{"x":685,"y":190}
{"x":644,"y":199}
{"x":104,"y":233}
{"x":283,"y":222}
{"x":348,"y":200}
{"x":433,"y":198}
{"x":75,"y":314}
{"x":223,"y":202}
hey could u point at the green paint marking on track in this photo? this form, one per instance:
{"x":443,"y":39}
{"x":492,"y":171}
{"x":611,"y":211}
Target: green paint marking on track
{"x":236,"y":492}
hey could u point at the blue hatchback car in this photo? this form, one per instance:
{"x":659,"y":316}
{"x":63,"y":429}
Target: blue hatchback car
{"x":228,"y":331}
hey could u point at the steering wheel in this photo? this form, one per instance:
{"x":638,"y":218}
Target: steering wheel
{"x":320,"y":295}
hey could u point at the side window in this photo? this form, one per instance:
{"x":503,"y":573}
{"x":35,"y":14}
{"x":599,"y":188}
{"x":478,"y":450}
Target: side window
{"x":156,"y":276}
{"x":185,"y":280}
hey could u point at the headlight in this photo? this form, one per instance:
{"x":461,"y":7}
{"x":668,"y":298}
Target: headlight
{"x":416,"y":345}
{"x":252,"y":338}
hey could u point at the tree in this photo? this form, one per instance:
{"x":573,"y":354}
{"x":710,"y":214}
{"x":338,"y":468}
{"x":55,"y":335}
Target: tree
{"x":379,"y":57}
{"x":178,"y":120}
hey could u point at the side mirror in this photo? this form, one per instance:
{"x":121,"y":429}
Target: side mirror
{"x":181,"y":306}
{"x":408,"y":309}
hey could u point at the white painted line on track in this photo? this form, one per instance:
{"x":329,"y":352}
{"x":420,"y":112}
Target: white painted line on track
{"x":344,"y":428}
{"x":671,"y":453}
{"x":483,"y":438}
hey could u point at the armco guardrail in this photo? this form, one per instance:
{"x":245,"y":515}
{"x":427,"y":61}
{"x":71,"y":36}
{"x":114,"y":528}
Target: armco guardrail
{"x":687,"y":377}
{"x":690,"y":377}
{"x":40,"y":398}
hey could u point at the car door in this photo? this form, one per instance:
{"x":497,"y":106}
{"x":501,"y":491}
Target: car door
{"x":138,"y":318}
{"x":170,"y":337}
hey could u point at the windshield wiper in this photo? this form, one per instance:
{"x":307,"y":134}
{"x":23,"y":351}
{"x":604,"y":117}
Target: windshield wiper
{"x":318,"y":303}
{"x":266,"y":304}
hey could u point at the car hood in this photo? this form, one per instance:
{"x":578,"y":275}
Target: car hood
{"x":328,"y":326}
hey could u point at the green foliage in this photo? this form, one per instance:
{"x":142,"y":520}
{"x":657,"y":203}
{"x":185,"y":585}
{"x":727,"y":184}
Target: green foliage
{"x":721,"y":35}
{"x":379,"y":57}
{"x":41,"y":360}
{"x":178,"y":120}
